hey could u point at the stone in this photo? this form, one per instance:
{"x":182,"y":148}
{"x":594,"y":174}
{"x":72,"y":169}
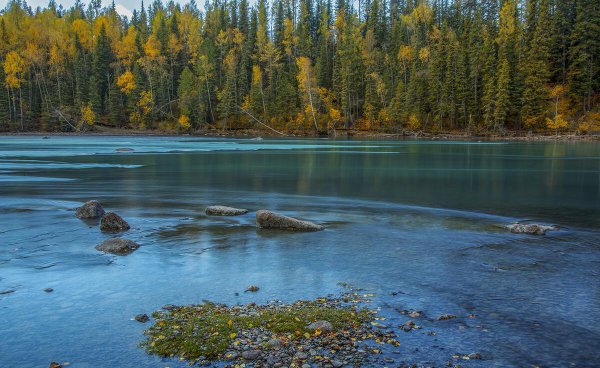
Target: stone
{"x":271,"y":220}
{"x":230,"y":355}
{"x":301,"y":355}
{"x":48,"y":290}
{"x":112,"y":222}
{"x":224,"y":211}
{"x":55,"y":365}
{"x":474,"y":356}
{"x":118,"y":246}
{"x":253,"y":288}
{"x":445,"y":317}
{"x":531,"y":229}
{"x":415,"y":314}
{"x":143,"y":318}
{"x":251,"y":354}
{"x":408,"y":326}
{"x":90,"y":210}
{"x":274,"y":343}
{"x":323,"y":326}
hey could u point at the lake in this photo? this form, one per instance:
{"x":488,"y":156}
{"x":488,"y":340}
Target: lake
{"x":417,"y":223}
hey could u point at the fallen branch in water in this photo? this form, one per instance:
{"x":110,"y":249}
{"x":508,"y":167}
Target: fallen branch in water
{"x":260,"y":122}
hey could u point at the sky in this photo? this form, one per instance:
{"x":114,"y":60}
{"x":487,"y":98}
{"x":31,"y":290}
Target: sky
{"x":124,"y":7}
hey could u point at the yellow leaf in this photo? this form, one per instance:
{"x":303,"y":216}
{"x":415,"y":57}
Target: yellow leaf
{"x":307,"y":335}
{"x":233,"y":335}
{"x":230,"y":322}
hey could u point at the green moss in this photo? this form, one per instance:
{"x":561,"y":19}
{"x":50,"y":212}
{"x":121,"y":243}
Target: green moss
{"x":207,"y":330}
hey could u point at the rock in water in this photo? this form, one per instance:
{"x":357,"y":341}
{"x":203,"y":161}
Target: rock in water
{"x":224,"y":211}
{"x":118,"y":246}
{"x":113,"y":222}
{"x":271,"y":220}
{"x":124,"y":149}
{"x":143,"y":318}
{"x":531,"y":229}
{"x":90,"y":210}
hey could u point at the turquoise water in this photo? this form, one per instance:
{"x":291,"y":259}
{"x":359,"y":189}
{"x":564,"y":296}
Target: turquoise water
{"x":417,"y":223}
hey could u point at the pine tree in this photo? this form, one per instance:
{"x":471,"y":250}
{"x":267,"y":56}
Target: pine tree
{"x":583,"y":75}
{"x":101,"y":74}
{"x":536,"y":64}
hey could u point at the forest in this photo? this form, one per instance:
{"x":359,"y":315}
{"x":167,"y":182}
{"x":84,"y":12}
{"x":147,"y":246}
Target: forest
{"x":309,"y":66}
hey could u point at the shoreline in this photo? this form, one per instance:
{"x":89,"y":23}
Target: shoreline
{"x":243,"y":133}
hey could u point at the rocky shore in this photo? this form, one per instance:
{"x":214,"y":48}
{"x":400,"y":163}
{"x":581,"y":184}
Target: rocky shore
{"x":325,"y":332}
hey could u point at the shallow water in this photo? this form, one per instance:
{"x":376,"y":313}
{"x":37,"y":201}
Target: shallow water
{"x":417,"y":223}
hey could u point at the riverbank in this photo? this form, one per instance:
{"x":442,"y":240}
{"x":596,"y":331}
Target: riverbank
{"x":340,"y":134}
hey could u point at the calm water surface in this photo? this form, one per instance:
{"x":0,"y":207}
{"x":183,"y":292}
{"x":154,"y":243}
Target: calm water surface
{"x":417,"y":223}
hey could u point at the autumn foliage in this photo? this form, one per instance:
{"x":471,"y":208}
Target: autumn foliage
{"x":304,"y":66}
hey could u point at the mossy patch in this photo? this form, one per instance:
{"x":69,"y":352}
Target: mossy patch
{"x":207,"y":331}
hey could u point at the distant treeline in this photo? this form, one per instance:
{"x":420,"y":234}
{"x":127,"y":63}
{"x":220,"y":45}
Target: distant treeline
{"x":310,"y":65}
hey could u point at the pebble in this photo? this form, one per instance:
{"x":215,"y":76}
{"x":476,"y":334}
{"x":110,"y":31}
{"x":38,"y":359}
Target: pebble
{"x":323,"y":326}
{"x":301,"y":355}
{"x":445,"y":317}
{"x":274,"y":343}
{"x":251,"y":354}
{"x":474,"y":356}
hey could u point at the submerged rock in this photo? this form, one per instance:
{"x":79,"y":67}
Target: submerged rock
{"x":90,"y":210}
{"x":55,"y":365}
{"x":531,"y":229}
{"x":409,"y":325}
{"x":224,"y":211}
{"x":118,"y":246}
{"x":10,"y":291}
{"x":445,"y":317}
{"x":271,"y":220}
{"x":124,"y":149}
{"x":253,"y":288}
{"x":113,"y":222}
{"x":48,"y":290}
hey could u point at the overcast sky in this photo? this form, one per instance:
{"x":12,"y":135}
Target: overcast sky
{"x":124,"y":7}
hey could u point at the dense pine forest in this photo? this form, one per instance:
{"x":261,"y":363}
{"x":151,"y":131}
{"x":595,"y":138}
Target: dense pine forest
{"x":304,"y":66}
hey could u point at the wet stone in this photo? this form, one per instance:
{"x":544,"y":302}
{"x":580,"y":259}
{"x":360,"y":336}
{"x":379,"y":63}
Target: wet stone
{"x":143,"y":318}
{"x":224,"y":211}
{"x":112,"y":222}
{"x":90,"y":210}
{"x":118,"y":246}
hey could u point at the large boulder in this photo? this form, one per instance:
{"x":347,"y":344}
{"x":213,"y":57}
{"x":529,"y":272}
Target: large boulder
{"x":90,"y":210}
{"x":271,"y":220}
{"x":118,"y":246}
{"x":224,"y":211}
{"x":113,"y":222}
{"x":531,"y":229}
